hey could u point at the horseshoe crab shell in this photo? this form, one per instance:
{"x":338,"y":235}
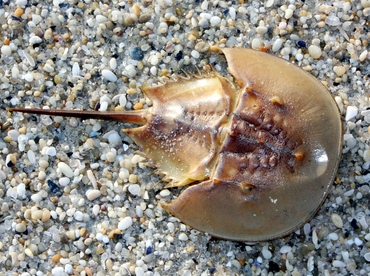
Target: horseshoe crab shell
{"x":259,"y":154}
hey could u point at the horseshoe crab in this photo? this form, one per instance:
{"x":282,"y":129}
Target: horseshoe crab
{"x":259,"y":154}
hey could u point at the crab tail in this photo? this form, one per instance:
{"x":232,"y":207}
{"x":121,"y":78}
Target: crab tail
{"x":135,"y":117}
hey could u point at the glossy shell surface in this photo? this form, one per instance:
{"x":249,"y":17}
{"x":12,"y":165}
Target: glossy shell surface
{"x":259,"y":153}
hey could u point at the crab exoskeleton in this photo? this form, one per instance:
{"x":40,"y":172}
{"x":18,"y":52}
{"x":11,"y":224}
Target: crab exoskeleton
{"x":259,"y":154}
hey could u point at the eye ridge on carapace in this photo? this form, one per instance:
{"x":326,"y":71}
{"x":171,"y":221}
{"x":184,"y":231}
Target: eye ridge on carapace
{"x":258,"y":154}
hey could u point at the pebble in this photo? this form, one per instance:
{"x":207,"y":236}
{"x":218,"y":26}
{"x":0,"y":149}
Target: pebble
{"x":109,"y":75}
{"x":58,"y":271}
{"x":358,"y":242}
{"x":78,"y":215}
{"x":125,"y":223}
{"x":365,"y":3}
{"x":269,"y":3}
{"x":232,"y":13}
{"x":10,"y":160}
{"x":96,"y":209}
{"x":288,"y":13}
{"x":69,"y":269}
{"x":101,"y":18}
{"x":89,"y":143}
{"x":285,"y":249}
{"x":261,"y":30}
{"x":350,"y":141}
{"x":122,"y":100}
{"x":21,"y":190}
{"x":103,"y":106}
{"x":362,"y":220}
{"x":130,"y":71}
{"x":113,"y":63}
{"x":301,"y":44}
{"x":332,"y":20}
{"x":139,"y":271}
{"x":285,"y":51}
{"x":367,"y":256}
{"x":203,"y":23}
{"x":36,"y":198}
{"x":91,"y":177}
{"x":18,"y":12}
{"x":65,"y":169}
{"x":35,"y":40}
{"x":310,"y":263}
{"x":64,"y":181}
{"x":51,"y":151}
{"x":134,"y":189}
{"x":20,"y":228}
{"x":29,"y":253}
{"x":363,"y":55}
{"x":13,"y":134}
{"x":114,"y":138}
{"x":366,"y":155}
{"x":339,"y":70}
{"x":282,"y":25}
{"x":21,"y":3}
{"x":48,"y":68}
{"x":45,"y":215}
{"x":124,"y":174}
{"x":36,"y":19}
{"x":201,"y":47}
{"x":277,"y":45}
{"x":314,"y":51}
{"x":57,"y":79}
{"x":333,"y":236}
{"x":153,"y":60}
{"x":36,"y":214}
{"x":215,"y":20}
{"x":111,"y":156}
{"x":337,"y":220}
{"x":153,"y":70}
{"x":6,"y":50}
{"x":345,"y":256}
{"x":28,"y":77}
{"x":195,"y":54}
{"x":183,"y":237}
{"x":136,"y":53}
{"x":93,"y":194}
{"x":337,"y":263}
{"x":75,"y":69}
{"x":351,"y":112}
{"x":266,"y":253}
{"x":133,"y":179}
{"x":42,"y":174}
{"x":256,"y":43}
{"x":164,"y":193}
{"x":56,"y":258}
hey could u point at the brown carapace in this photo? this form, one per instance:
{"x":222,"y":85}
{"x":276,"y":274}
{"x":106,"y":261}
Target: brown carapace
{"x":259,"y":154}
